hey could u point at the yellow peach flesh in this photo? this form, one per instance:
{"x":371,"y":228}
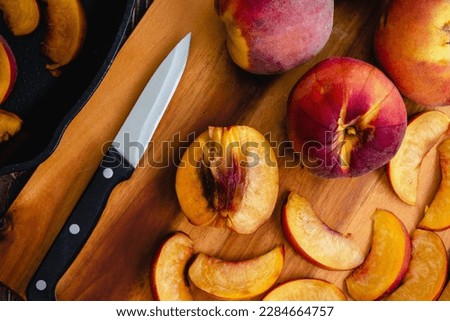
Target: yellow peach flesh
{"x":237,"y":280}
{"x":21,"y":16}
{"x":168,"y":276}
{"x":387,"y":261}
{"x":316,"y":241}
{"x":10,"y":124}
{"x":306,"y":290}
{"x":427,"y":271}
{"x":236,"y":43}
{"x":437,"y":216}
{"x":421,"y":135}
{"x":236,"y":186}
{"x":64,"y":39}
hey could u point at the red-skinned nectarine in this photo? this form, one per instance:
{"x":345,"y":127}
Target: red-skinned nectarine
{"x":412,"y":45}
{"x":345,"y":117}
{"x":273,"y":36}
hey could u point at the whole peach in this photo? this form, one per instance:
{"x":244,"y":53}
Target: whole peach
{"x":412,"y":44}
{"x":346,"y":118}
{"x":273,"y":36}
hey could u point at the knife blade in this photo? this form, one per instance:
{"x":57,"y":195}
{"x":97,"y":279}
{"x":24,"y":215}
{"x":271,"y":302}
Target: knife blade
{"x":117,"y":165}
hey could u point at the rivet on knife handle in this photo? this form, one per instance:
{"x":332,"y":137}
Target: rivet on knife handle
{"x":118,"y":164}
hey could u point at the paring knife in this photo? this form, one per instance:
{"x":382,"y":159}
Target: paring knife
{"x":117,"y":165}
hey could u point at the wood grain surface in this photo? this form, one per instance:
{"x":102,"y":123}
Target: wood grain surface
{"x":115,"y":262}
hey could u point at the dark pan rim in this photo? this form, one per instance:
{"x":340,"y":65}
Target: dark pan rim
{"x":122,"y":33}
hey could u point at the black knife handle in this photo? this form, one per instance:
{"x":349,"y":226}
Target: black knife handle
{"x":79,"y":226}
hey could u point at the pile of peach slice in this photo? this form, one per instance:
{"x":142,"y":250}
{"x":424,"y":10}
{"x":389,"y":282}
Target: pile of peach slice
{"x":65,"y":22}
{"x":229,"y":280}
{"x":175,"y":269}
{"x":398,"y":268}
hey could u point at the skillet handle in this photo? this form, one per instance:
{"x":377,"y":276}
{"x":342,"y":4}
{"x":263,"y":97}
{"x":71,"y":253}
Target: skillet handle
{"x":79,"y":226}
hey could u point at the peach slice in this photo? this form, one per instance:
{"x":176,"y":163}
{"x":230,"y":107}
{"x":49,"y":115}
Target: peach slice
{"x":66,"y":32}
{"x":387,"y":262}
{"x":10,"y":125}
{"x":314,"y":240}
{"x":437,"y":216}
{"x":306,"y":290}
{"x":237,"y":280}
{"x":168,"y":277}
{"x":8,"y":70}
{"x":228,"y":177}
{"x":21,"y":16}
{"x":427,"y":271}
{"x":422,"y":133}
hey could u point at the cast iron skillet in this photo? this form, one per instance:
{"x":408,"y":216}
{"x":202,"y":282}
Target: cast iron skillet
{"x":47,"y":104}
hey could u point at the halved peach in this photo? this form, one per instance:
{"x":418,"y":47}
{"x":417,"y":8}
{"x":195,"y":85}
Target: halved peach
{"x":21,"y":16}
{"x":228,"y":177}
{"x":10,"y":124}
{"x":8,"y":70}
{"x":387,"y":262}
{"x":306,"y":290}
{"x":168,"y":276}
{"x":66,"y":32}
{"x":427,"y":271}
{"x":437,"y":216}
{"x":237,"y":280}
{"x":422,"y":133}
{"x":314,"y":240}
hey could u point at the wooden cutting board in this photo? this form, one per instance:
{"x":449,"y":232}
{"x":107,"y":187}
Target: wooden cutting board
{"x":115,"y":262}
